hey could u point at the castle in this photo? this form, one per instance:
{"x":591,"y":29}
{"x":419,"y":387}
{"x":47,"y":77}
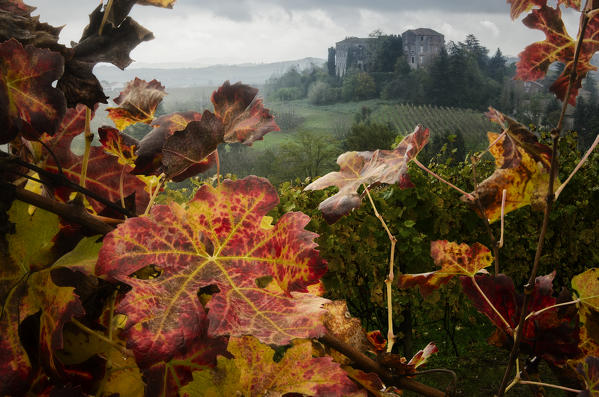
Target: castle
{"x":420,"y":47}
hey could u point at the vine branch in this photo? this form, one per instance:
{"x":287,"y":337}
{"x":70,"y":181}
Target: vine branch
{"x":529,"y":287}
{"x":390,"y":276}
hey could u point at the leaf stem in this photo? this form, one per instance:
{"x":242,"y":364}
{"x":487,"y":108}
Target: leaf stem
{"x":105,"y":17}
{"x":481,"y":292}
{"x":122,"y":189}
{"x":503,"y":198}
{"x":578,"y":166}
{"x":529,"y":287}
{"x":530,"y":382}
{"x":390,"y":276}
{"x":423,"y":167}
{"x":154,"y":194}
{"x":88,"y":143}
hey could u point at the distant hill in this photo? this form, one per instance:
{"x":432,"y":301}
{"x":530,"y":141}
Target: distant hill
{"x":112,"y":77}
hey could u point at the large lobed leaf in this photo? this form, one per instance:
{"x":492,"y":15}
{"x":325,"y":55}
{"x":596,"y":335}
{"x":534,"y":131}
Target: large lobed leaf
{"x":368,"y":168}
{"x":253,"y":372}
{"x":28,"y":102}
{"x":558,"y":47}
{"x":218,"y":239}
{"x":454,"y":260}
{"x":552,"y":335}
{"x":522,"y":166}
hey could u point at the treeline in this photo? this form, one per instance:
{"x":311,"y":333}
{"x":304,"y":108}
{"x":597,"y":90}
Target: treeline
{"x":464,"y":75}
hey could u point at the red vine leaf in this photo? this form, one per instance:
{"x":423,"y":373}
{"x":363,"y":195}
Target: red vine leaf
{"x":558,"y":47}
{"x":137,"y":103}
{"x":187,"y":153}
{"x":217,"y":240}
{"x":526,"y":182}
{"x":552,"y":335}
{"x":423,"y":355}
{"x":28,"y":102}
{"x":253,"y":372}
{"x":368,"y":168}
{"x":149,"y":153}
{"x":104,"y":172}
{"x":242,"y":113}
{"x":454,"y":260}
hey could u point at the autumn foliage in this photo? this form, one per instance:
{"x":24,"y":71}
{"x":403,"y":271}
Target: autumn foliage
{"x":104,"y":293}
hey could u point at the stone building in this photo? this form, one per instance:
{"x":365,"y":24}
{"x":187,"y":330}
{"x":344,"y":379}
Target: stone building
{"x":352,"y":52}
{"x":421,"y":46}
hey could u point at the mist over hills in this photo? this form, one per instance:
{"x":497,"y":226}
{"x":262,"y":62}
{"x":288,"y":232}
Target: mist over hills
{"x":256,"y":74}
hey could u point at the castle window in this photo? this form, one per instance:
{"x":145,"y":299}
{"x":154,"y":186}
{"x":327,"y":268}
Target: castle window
{"x":413,"y":60}
{"x":421,"y":38}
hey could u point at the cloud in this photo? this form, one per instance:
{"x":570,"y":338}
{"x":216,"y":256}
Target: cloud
{"x":491,"y":26}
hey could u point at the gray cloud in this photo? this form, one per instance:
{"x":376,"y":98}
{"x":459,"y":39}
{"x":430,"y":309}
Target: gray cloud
{"x":242,"y":10}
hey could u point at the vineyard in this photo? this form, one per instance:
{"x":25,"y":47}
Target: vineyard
{"x":107,"y":291}
{"x":471,"y":123}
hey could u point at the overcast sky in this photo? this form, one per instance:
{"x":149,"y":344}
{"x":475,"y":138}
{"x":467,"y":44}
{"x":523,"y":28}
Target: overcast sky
{"x":205,"y":32}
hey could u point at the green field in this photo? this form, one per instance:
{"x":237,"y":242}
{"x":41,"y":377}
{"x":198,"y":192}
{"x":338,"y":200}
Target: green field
{"x":335,"y":119}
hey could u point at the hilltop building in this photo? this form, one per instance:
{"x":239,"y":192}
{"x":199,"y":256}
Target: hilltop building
{"x":421,"y":46}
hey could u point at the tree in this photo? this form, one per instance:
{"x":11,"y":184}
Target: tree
{"x":309,"y":155}
{"x":366,"y":135}
{"x":358,"y":86}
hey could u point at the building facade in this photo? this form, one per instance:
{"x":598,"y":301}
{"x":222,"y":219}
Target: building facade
{"x":352,"y":52}
{"x":421,"y":46}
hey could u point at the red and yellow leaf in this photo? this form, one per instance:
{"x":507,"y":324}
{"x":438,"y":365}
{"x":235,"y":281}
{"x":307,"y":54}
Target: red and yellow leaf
{"x":340,"y":323}
{"x":519,"y":7}
{"x":104,"y":172}
{"x":137,"y":103}
{"x":454,"y":260}
{"x":157,"y":3}
{"x":368,"y":168}
{"x":28,"y":103}
{"x":558,"y":47}
{"x":253,"y":372}
{"x":216,"y":240}
{"x":526,"y":183}
{"x":242,"y":113}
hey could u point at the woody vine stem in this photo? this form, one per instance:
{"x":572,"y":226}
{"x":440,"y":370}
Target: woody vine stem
{"x":555,"y":134}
